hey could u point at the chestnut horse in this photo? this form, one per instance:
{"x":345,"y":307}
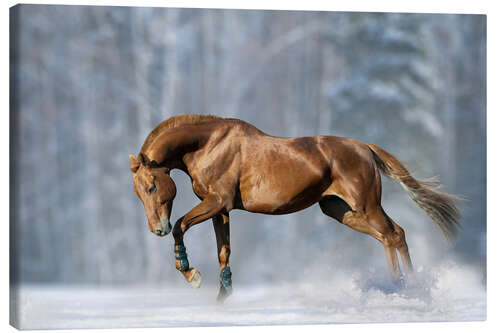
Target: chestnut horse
{"x":233,"y":165}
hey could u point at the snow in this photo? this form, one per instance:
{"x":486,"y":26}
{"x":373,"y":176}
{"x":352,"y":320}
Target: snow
{"x":447,"y":293}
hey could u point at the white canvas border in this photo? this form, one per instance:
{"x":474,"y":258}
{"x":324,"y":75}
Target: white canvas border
{"x":426,"y":6}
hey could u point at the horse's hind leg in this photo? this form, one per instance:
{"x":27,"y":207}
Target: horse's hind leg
{"x":376,"y":225}
{"x":221,"y":228}
{"x":373,"y":223}
{"x":393,"y":262}
{"x":400,"y":243}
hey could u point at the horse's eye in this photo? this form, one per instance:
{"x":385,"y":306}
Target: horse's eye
{"x":152,"y":189}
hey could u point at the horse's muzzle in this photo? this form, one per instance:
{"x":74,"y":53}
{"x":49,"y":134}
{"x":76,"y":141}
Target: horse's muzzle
{"x":164,"y":228}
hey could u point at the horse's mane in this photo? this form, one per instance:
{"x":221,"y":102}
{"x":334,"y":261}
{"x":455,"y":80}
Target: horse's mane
{"x":176,"y":121}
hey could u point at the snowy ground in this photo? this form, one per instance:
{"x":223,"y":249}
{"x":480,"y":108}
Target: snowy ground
{"x":449,"y":293}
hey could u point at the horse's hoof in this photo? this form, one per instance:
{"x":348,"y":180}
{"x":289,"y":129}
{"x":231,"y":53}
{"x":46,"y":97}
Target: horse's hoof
{"x":223,"y":294}
{"x":226,"y":285}
{"x":400,"y":281}
{"x":195,"y":281}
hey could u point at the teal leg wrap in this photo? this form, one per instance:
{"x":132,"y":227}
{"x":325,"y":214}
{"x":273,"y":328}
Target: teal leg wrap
{"x":181,"y":256}
{"x":226,"y":286}
{"x":225,"y":279}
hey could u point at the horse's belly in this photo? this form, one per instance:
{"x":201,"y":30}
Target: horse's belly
{"x":281,"y":194}
{"x":278,"y":208}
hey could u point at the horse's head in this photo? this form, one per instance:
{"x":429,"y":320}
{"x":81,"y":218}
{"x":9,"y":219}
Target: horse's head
{"x":155,"y":188}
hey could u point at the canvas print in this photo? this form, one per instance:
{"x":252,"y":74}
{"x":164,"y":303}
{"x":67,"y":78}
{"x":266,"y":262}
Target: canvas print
{"x":219,"y":167}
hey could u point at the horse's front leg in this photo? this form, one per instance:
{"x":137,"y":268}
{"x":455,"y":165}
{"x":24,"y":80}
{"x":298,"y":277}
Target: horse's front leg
{"x":221,"y":227}
{"x":208,"y":208}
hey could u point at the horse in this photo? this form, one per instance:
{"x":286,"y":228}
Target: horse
{"x":234,"y":165}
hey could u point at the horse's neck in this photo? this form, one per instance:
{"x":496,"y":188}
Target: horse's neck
{"x":171,"y":145}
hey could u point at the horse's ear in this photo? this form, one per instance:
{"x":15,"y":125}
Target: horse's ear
{"x":134,"y":163}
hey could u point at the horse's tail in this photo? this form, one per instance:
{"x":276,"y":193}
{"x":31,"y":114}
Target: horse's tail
{"x":438,"y":205}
